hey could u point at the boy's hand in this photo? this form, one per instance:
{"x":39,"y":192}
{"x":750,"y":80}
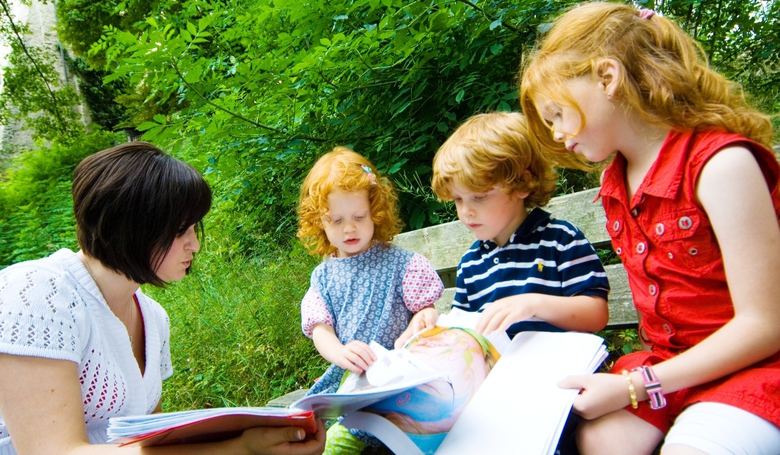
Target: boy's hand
{"x":504,"y":312}
{"x":423,"y":319}
{"x":356,"y":356}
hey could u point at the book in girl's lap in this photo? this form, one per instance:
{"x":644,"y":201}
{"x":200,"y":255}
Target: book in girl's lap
{"x":365,"y":289}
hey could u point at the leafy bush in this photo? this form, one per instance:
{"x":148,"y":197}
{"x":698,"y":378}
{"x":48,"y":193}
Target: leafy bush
{"x":263,"y":89}
{"x":36,"y":208}
{"x":618,"y":343}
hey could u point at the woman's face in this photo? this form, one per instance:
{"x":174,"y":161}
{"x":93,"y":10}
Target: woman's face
{"x":177,"y":260}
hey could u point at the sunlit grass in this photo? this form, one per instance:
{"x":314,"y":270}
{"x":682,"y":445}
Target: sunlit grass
{"x":235,"y":332}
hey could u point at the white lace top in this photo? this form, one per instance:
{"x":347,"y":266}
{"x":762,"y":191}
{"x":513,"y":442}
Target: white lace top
{"x":52,"y":308}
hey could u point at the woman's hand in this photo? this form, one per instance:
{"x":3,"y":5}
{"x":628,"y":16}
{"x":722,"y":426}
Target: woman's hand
{"x":600,"y":393}
{"x":423,"y":319}
{"x":283,"y":441}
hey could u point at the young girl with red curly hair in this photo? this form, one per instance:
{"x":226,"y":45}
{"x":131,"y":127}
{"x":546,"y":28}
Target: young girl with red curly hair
{"x":366,"y":289}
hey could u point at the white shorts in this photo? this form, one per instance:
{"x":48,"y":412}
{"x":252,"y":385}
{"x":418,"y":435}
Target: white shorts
{"x":720,"y":429}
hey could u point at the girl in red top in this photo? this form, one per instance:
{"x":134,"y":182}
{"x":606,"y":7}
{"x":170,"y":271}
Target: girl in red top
{"x":692,"y":201}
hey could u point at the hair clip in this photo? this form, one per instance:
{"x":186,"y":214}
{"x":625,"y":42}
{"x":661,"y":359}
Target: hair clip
{"x":646,"y":13}
{"x":370,"y":174}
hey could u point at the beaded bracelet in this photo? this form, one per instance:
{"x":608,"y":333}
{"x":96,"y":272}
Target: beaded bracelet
{"x":653,"y":387}
{"x":631,"y":390}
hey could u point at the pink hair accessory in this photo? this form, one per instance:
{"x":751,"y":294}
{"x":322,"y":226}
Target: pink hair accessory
{"x":370,"y":174}
{"x":645,"y":13}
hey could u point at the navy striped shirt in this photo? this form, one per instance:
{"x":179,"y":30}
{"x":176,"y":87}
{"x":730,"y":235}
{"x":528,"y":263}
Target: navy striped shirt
{"x":544,"y":256}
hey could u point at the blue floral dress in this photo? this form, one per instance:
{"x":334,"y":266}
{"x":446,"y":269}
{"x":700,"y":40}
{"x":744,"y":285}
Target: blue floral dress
{"x":368,"y":297}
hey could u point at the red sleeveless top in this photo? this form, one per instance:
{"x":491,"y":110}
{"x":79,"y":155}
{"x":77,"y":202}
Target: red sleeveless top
{"x":674,"y":264}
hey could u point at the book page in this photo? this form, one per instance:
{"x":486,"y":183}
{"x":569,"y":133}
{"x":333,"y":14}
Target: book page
{"x":519,"y":409}
{"x":468,"y":319}
{"x":392,"y":372}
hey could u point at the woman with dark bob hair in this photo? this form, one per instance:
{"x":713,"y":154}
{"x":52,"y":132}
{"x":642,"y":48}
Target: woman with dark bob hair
{"x":80,"y":342}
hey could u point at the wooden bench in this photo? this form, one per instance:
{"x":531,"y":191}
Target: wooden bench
{"x":444,"y":245}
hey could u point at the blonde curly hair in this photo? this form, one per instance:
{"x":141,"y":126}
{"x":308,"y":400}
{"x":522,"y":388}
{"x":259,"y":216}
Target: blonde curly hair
{"x":342,"y":169}
{"x":494,"y":149}
{"x":665,"y":76}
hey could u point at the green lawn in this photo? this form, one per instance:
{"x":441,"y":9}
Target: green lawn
{"x":235,"y":332}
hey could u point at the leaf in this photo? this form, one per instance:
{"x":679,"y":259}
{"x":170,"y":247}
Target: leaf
{"x":496,"y":48}
{"x":417,"y":219}
{"x":159,"y":118}
{"x":145,"y":126}
{"x":191,"y":28}
{"x":325,"y":41}
{"x":204,"y":22}
{"x":496,"y":23}
{"x":460,"y":95}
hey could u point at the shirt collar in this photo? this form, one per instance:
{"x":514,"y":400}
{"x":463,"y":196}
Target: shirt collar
{"x":662,"y":180}
{"x":536,"y":218}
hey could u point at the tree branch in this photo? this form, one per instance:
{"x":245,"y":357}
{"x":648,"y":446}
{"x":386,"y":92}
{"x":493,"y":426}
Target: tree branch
{"x":238,"y":116}
{"x":484,"y":13}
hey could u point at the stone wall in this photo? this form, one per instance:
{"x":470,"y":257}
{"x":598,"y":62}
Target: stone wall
{"x":41,"y":19}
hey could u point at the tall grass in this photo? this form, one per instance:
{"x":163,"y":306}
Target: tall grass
{"x":235,"y":331}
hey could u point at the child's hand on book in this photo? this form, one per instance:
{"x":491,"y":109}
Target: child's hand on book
{"x":356,"y":356}
{"x":502,"y":313}
{"x":423,"y":319}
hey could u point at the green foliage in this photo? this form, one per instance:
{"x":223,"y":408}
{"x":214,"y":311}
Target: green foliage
{"x":235,"y":331}
{"x":263,"y":89}
{"x":80,"y":22}
{"x":619,"y":342}
{"x":36,"y":208}
{"x":99,"y":97}
{"x":33,"y":94}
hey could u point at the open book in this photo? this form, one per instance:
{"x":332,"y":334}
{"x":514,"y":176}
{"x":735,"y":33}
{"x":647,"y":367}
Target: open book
{"x":202,"y":425}
{"x":214,"y":424}
{"x":517,"y":407}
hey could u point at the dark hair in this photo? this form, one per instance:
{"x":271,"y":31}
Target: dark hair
{"x":131,"y":202}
